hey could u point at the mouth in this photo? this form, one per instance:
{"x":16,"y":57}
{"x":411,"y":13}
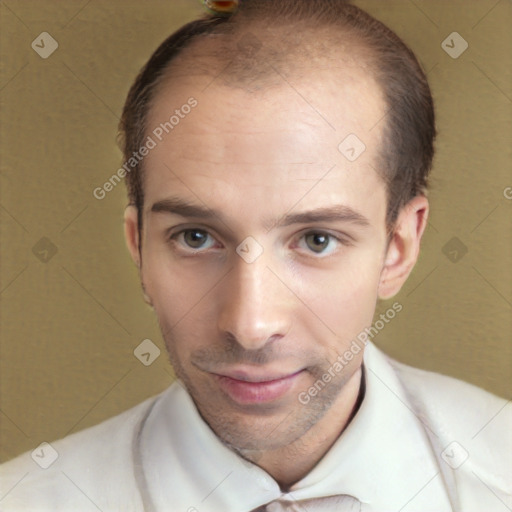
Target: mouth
{"x":253,"y":389}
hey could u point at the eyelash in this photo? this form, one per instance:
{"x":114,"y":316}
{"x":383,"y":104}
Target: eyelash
{"x":322,"y":254}
{"x":174,"y":238}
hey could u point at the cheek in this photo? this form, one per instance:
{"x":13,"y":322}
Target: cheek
{"x":181,"y":292}
{"x":344,"y":297}
{"x":176,"y":296}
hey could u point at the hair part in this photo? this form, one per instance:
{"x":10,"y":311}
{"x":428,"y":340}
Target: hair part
{"x":264,"y":35}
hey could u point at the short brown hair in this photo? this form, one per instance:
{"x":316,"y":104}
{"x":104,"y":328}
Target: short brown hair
{"x":407,"y":151}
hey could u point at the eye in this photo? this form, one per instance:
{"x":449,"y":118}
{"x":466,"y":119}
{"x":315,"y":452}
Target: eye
{"x":194,"y":239}
{"x":319,"y":242}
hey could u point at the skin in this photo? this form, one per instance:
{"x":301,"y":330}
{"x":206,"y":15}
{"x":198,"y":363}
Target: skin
{"x":254,"y":158}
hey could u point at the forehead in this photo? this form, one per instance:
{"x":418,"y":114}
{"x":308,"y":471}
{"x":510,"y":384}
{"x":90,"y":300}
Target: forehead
{"x":335,"y":101}
{"x":328,"y":76}
{"x":271,"y":143}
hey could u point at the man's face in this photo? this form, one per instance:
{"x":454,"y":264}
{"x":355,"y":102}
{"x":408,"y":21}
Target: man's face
{"x":249,"y":330}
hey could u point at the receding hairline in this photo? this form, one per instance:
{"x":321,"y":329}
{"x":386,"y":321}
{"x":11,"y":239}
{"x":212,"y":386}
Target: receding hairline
{"x":256,"y":57}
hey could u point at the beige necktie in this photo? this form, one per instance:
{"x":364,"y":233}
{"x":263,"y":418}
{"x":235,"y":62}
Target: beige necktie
{"x":328,"y":504}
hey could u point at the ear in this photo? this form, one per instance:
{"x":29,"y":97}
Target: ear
{"x":404,"y":246}
{"x":131,"y":233}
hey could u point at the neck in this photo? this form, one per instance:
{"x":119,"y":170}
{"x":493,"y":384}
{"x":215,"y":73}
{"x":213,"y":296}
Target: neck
{"x":289,"y":464}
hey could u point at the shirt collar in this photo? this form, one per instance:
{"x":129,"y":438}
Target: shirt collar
{"x":383,"y":458}
{"x":186,"y":467}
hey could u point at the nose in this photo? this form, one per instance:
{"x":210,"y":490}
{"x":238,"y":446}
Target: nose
{"x":254,"y":305}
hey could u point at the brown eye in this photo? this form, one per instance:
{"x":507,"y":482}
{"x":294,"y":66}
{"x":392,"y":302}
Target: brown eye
{"x":317,"y":242}
{"x":195,"y":238}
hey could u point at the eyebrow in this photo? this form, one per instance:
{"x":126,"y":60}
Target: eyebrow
{"x":326,"y":214}
{"x":339,"y":213}
{"x":183,"y":208}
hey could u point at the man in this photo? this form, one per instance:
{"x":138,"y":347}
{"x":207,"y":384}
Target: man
{"x":277,"y":156}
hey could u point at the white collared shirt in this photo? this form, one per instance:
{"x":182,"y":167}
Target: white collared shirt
{"x":419,"y":442}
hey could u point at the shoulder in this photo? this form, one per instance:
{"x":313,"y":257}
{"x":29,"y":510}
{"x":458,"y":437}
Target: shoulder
{"x":82,"y":471}
{"x":469,"y":426}
{"x":451,"y":401}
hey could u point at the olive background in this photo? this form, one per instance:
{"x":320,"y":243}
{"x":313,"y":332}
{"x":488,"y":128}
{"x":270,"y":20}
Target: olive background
{"x":72,"y":312}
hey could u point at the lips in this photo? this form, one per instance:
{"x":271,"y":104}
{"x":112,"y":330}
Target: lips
{"x":255,"y":378}
{"x":253,"y":389}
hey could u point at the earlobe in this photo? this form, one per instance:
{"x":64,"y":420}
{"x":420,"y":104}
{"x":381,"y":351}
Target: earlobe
{"x":147,"y":298}
{"x":131,"y":233}
{"x":403,"y":249}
